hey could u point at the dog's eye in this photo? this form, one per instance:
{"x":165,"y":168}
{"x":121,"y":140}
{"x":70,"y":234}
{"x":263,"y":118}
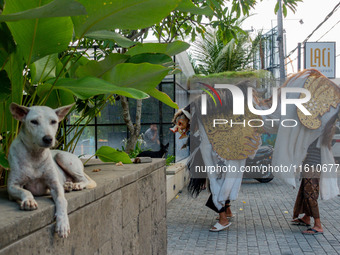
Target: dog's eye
{"x":53,"y":122}
{"x":35,"y":122}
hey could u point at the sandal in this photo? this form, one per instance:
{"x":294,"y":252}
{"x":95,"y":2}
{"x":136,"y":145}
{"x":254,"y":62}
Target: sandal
{"x":219,"y":227}
{"x":312,"y":231}
{"x":299,"y":222}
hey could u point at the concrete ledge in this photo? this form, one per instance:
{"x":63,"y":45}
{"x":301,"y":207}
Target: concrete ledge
{"x":176,"y":179}
{"x":122,"y":215}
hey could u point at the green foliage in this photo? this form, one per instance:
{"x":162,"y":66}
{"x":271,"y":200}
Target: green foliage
{"x":188,"y":6}
{"x":30,"y":35}
{"x":291,"y":4}
{"x":109,"y":154}
{"x":170,"y":49}
{"x":215,"y":54}
{"x":7,"y":44}
{"x":38,"y":65}
{"x":127,"y":14}
{"x":98,"y":69}
{"x":5,"y":88}
{"x":137,"y":149}
{"x":3,"y":160}
{"x":111,"y":36}
{"x":185,"y":22}
{"x":47,"y":9}
{"x":83,"y":88}
{"x":234,"y":74}
{"x":169,"y":160}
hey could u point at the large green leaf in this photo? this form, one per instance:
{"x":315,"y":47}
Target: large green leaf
{"x":109,"y":154}
{"x":72,"y":63}
{"x":170,"y":49}
{"x":14,"y":71}
{"x":152,"y":58}
{"x":13,"y":68}
{"x":98,"y":69}
{"x":161,"y":96}
{"x":44,"y":68}
{"x":56,"y":8}
{"x":112,"y":36}
{"x":56,"y":97}
{"x":3,"y":160}
{"x":88,"y":87}
{"x":188,"y":6}
{"x":38,"y":37}
{"x":122,"y":14}
{"x":5,"y":88}
{"x":142,"y":76}
{"x":7,"y":44}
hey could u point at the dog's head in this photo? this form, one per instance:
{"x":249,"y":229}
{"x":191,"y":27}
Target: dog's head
{"x":40,"y":123}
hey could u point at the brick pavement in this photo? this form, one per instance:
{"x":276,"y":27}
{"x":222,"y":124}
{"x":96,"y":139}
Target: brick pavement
{"x":261,"y":224}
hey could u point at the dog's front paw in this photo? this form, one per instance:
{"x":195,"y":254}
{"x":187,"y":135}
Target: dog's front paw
{"x":28,"y":204}
{"x":62,"y":227}
{"x":68,"y":186}
{"x":78,"y":186}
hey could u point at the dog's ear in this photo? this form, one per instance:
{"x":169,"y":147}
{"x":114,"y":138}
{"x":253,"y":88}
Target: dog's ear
{"x":19,"y":112}
{"x":63,"y":111}
{"x":165,"y":146}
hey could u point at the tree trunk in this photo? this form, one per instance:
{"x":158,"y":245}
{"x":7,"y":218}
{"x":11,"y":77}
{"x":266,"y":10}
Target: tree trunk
{"x":134,"y":129}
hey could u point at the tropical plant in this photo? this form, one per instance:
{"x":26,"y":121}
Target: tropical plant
{"x":43,"y":61}
{"x":140,"y":144}
{"x":213,"y":54}
{"x":169,"y":160}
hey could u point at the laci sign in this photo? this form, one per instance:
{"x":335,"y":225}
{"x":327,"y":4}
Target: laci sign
{"x":321,"y":56}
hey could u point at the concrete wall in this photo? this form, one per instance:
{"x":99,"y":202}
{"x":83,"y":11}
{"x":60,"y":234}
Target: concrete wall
{"x":177,"y":178}
{"x":124,"y":214}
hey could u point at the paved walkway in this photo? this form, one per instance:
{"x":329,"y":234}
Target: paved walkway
{"x":261,"y":224}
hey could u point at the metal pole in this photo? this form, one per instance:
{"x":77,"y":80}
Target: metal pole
{"x":280,"y":43}
{"x":299,"y":57}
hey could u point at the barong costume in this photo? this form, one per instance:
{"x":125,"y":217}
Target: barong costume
{"x":225,"y":146}
{"x":292,"y":143}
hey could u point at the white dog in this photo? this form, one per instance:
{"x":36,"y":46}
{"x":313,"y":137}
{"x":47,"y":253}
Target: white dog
{"x":36,"y":170}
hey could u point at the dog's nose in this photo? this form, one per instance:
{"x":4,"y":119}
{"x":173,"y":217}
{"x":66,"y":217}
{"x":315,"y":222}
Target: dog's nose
{"x":47,"y":139}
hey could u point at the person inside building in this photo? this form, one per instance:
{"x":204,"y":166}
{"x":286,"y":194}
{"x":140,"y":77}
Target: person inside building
{"x":151,"y":138}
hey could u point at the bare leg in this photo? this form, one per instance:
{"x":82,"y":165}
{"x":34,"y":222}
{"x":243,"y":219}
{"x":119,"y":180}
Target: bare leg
{"x":305,"y":219}
{"x":228,"y":211}
{"x":223,"y":219}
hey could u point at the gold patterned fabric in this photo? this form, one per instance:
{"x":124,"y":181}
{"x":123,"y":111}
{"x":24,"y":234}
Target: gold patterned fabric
{"x":324,"y":94}
{"x":233,"y":142}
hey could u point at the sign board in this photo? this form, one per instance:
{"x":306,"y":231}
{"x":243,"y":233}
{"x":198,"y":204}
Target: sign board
{"x":321,"y":56}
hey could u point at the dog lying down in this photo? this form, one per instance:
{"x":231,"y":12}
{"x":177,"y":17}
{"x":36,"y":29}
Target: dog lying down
{"x":36,"y":170}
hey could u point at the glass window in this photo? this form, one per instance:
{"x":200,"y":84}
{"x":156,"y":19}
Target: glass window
{"x":74,"y":118}
{"x":86,"y":142}
{"x":168,"y":137}
{"x":112,"y":131}
{"x":150,"y":111}
{"x":113,"y":136}
{"x":111,"y":114}
{"x":167,"y":111}
{"x":150,"y":137}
